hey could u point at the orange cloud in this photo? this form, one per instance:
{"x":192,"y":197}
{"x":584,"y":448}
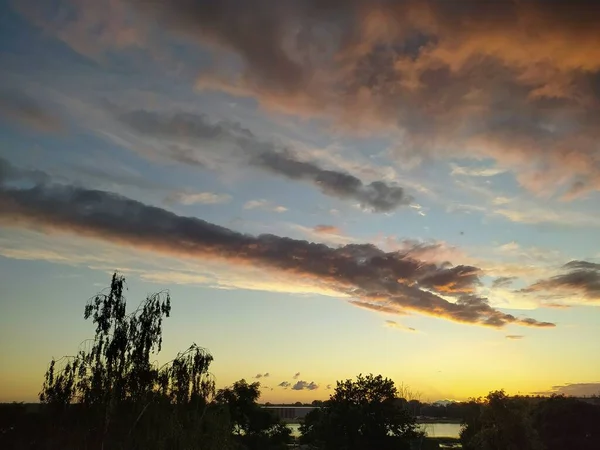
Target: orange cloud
{"x":326,"y":229}
{"x":514,"y":81}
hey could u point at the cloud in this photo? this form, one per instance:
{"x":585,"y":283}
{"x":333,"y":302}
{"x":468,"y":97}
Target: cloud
{"x":284,"y":384}
{"x":574,"y":390}
{"x":258,"y":375}
{"x":327,"y":229}
{"x":22,"y":109}
{"x":450,"y":78}
{"x":361,"y":271}
{"x":304,"y":385}
{"x":266,"y":375}
{"x":89,"y":27}
{"x":579,"y":279}
{"x":265,"y":205}
{"x":192,"y":198}
{"x":514,"y":337}
{"x":377,"y":195}
{"x":398,"y":326}
{"x":387,"y":309}
{"x":445,"y":79}
{"x":328,"y":387}
{"x":475,"y":171}
{"x":296,"y":375}
{"x":243,"y":145}
{"x":509,"y":247}
{"x":502,"y":282}
{"x":328,"y":235}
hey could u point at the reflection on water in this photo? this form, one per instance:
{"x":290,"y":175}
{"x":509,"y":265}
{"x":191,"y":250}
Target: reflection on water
{"x":451,"y":430}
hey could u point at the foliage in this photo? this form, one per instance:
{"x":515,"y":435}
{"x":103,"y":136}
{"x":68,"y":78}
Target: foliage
{"x":361,"y":414}
{"x":554,"y":423}
{"x":500,"y":423}
{"x":255,"y":427}
{"x":111,"y":394}
{"x":564,"y":422}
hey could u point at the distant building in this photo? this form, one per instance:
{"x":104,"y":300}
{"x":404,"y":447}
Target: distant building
{"x":290,"y":413}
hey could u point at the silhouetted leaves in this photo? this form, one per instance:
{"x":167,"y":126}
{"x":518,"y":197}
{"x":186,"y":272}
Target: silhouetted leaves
{"x":360,"y":415}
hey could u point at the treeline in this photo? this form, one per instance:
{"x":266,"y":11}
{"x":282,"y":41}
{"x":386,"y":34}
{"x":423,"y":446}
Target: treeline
{"x":531,"y":423}
{"x":111,"y":395}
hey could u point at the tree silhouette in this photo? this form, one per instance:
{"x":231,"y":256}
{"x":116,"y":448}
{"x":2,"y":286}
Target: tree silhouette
{"x":112,"y":386}
{"x":360,"y":415}
{"x":499,"y":422}
{"x":256,"y":428}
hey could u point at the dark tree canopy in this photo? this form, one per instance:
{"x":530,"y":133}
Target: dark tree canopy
{"x":112,"y":395}
{"x":361,"y":414}
{"x":255,"y":427}
{"x":555,"y":423}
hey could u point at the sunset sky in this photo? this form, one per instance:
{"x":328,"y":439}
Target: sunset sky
{"x":326,"y":187}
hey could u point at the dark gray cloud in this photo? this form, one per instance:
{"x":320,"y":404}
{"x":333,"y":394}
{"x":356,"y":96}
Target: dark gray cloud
{"x":10,"y":173}
{"x":284,"y":384}
{"x":361,"y":271}
{"x":258,"y":375}
{"x":20,"y":108}
{"x":305,"y":385}
{"x":377,"y":196}
{"x":501,"y":282}
{"x":581,"y":278}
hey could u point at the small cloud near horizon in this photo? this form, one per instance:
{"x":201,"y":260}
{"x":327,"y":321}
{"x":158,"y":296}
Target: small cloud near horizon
{"x":284,"y":384}
{"x":514,"y":337}
{"x":573,"y":390}
{"x":295,"y":377}
{"x":302,"y":385}
{"x":262,"y":375}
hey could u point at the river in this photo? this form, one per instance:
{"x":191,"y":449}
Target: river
{"x":451,"y":430}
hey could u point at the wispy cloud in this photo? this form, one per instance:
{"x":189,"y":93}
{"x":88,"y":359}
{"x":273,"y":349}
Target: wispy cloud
{"x":501,"y":282}
{"x":284,"y":384}
{"x":398,"y":326}
{"x":192,"y":198}
{"x":20,"y":108}
{"x":265,"y":205}
{"x":579,"y":278}
{"x":296,"y":375}
{"x":514,"y":337}
{"x":326,"y":229}
{"x":475,"y":171}
{"x":245,"y":147}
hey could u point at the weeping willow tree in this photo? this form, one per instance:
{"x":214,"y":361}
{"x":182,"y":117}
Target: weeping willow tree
{"x":112,"y":394}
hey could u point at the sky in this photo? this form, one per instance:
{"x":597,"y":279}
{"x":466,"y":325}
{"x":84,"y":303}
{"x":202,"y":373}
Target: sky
{"x":325,"y":187}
